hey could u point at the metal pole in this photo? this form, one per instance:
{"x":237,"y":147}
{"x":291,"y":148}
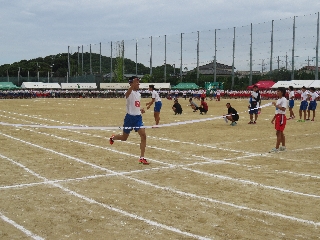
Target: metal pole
{"x":136,"y":57}
{"x":82,"y":62}
{"x":111,"y":63}
{"x":151,"y":56}
{"x":165,"y":58}
{"x":68,"y":62}
{"x":317,"y":51}
{"x":233,"y":51}
{"x":181,"y":59}
{"x":90,"y":62}
{"x":48,"y":76}
{"x":293,"y":39}
{"x":271,"y":52}
{"x":18,"y":76}
{"x":38,"y":66}
{"x":198,"y":59}
{"x":100,"y":60}
{"x":215,"y":57}
{"x":122,"y":59}
{"x":250,"y":77}
{"x":77,"y":64}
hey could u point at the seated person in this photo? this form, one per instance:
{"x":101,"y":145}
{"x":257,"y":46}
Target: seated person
{"x":193,"y":105}
{"x":203,"y":107}
{"x":232,"y":115}
{"x":177,"y":107}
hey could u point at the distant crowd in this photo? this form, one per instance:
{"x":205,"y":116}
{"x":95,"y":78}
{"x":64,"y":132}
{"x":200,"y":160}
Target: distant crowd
{"x":169,"y":94}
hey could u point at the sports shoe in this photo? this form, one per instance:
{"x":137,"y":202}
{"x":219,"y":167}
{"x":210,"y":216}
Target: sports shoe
{"x":143,"y":161}
{"x":254,"y":122}
{"x":233,"y":124}
{"x":312,"y":120}
{"x":308,"y":119}
{"x":225,"y":119}
{"x":282,"y":148}
{"x":301,"y":120}
{"x":111,"y":141}
{"x":274,"y":150}
{"x":250,"y":122}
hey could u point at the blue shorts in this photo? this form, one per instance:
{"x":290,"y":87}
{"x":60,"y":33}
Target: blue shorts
{"x":253,"y":108}
{"x":312,"y":105}
{"x":303,"y":105}
{"x":157,"y":106}
{"x":291,"y":103}
{"x":132,"y":122}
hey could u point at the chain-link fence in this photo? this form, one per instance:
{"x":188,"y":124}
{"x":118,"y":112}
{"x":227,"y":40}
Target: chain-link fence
{"x":289,"y":43}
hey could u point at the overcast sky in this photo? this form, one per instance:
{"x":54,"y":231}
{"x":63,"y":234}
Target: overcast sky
{"x":37,"y":28}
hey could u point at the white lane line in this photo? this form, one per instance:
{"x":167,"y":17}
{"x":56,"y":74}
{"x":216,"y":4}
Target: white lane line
{"x":125,"y":213}
{"x":172,"y":165}
{"x":181,"y":192}
{"x":21,"y":228}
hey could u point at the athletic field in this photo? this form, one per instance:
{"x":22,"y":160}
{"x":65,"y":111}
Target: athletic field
{"x":206,"y":180}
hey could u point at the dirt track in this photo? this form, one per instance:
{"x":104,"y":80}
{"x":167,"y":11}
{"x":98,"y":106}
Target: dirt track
{"x":206,"y":180}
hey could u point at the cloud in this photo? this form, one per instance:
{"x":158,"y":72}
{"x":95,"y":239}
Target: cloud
{"x":31,"y":28}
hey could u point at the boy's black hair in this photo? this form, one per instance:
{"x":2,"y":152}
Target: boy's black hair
{"x":282,"y":90}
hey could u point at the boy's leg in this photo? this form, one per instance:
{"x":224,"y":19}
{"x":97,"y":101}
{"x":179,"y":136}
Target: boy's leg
{"x":143,"y":142}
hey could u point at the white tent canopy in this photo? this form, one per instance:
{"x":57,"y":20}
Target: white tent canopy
{"x":315,"y":84}
{"x":295,"y":83}
{"x":126,"y":85}
{"x":114,"y":85}
{"x":79,"y":86}
{"x":156,"y":85}
{"x":40,"y":85}
{"x":301,"y":83}
{"x":284,"y":84}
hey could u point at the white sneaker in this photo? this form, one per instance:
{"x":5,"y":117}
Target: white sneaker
{"x":282,"y":148}
{"x":225,"y":119}
{"x":274,"y":150}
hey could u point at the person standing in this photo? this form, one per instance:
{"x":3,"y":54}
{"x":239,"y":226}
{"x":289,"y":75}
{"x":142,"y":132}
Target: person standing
{"x":304,"y":104}
{"x":254,"y":104}
{"x":291,"y":102}
{"x":133,"y":118}
{"x":312,"y":104}
{"x":232,"y":115}
{"x":157,"y":103}
{"x":279,"y":120}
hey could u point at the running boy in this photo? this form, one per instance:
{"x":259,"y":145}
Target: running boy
{"x":280,"y":120}
{"x":133,"y":118}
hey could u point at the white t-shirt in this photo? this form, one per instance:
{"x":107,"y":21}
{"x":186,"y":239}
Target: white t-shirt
{"x":283,"y":103}
{"x":133,"y":103}
{"x":304,"y":95}
{"x":254,"y":95}
{"x":314,"y":96}
{"x":291,"y":94}
{"x":156,"y":97}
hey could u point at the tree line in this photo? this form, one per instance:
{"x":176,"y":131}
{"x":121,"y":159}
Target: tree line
{"x":57,"y":66}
